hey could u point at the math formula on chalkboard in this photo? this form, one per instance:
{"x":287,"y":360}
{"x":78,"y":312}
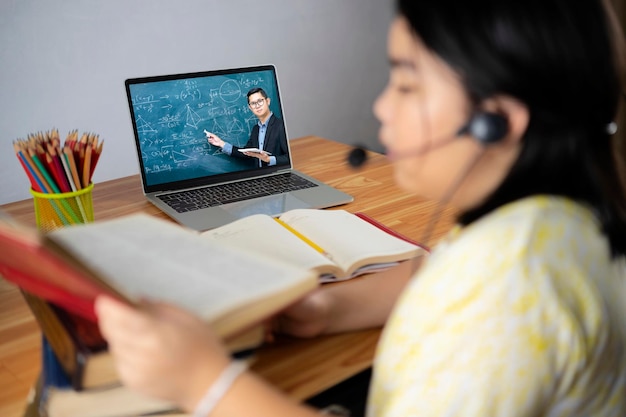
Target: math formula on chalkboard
{"x":170,"y":114}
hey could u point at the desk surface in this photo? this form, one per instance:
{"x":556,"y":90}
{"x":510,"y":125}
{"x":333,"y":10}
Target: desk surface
{"x":301,"y":368}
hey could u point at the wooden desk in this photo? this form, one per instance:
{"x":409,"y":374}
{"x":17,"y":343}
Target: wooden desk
{"x":299,"y":367}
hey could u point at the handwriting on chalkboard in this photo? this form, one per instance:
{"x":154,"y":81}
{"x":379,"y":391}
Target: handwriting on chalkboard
{"x":170,"y":115}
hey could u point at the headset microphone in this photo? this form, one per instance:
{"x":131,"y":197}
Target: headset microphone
{"x":357,"y":157}
{"x":484,"y":127}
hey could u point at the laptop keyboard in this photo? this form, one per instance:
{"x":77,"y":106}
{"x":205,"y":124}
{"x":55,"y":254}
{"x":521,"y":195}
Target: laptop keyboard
{"x":200,"y":198}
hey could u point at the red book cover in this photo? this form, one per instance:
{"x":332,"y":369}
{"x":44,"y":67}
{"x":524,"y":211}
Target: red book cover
{"x":37,"y":266}
{"x":392,"y":232}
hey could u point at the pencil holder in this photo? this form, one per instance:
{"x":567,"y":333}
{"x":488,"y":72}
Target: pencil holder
{"x":56,"y":210}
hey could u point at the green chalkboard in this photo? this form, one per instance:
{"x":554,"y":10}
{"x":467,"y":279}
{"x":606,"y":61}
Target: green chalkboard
{"x":170,"y":114}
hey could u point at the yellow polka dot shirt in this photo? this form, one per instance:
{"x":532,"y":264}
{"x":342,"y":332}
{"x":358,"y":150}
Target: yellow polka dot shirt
{"x":520,"y":313}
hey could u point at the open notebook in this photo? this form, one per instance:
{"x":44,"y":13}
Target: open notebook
{"x":200,"y":185}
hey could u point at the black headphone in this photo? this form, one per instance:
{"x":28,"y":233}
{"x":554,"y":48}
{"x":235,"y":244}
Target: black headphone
{"x":486,"y":127}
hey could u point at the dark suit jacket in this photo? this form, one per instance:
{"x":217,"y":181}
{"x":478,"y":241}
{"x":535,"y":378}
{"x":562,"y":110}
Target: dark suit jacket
{"x":275,"y":141}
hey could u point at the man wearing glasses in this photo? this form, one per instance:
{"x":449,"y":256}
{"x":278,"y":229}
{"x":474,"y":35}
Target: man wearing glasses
{"x":267,"y":135}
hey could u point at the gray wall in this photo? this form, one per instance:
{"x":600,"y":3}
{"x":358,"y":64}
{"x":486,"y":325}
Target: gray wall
{"x":64,"y":62}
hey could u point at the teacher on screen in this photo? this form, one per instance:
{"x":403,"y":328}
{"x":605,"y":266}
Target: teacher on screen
{"x":267,"y":135}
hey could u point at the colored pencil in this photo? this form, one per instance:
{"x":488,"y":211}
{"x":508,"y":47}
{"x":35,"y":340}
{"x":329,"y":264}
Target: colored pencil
{"x":30,"y":167}
{"x":69,"y":155}
{"x":87,"y":166}
{"x":34,"y":183}
{"x":53,"y":167}
{"x":65,"y":208}
{"x":85,"y":151}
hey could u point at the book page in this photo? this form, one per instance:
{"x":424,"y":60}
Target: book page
{"x":351,"y":241}
{"x":264,"y":236}
{"x":146,"y":257}
{"x":117,"y":401}
{"x":254,"y":150}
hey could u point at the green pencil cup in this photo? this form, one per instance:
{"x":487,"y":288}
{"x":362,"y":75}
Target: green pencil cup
{"x":56,"y":210}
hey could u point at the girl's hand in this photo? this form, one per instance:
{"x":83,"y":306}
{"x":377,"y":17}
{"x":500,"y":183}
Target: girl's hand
{"x":308,"y":317}
{"x":160,"y":350}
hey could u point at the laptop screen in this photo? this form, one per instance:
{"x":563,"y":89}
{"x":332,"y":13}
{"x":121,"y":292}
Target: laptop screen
{"x":171,"y":113}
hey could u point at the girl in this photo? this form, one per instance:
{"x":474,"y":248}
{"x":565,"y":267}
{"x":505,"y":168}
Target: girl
{"x":505,"y":110}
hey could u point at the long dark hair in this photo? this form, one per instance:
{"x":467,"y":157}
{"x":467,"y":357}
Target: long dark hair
{"x":559,"y":57}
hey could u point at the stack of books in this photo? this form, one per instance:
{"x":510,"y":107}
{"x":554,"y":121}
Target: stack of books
{"x":78,"y":377}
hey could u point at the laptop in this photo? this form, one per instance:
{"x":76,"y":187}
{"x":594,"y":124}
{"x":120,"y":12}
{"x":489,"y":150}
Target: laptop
{"x":201,"y":185}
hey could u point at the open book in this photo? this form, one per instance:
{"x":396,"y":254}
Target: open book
{"x":231,"y":276}
{"x":254,"y":150}
{"x":336,"y":244}
{"x":141,"y":256}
